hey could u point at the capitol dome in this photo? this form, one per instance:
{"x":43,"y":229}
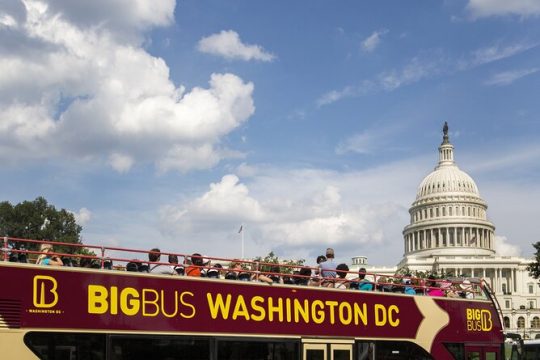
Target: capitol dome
{"x":447,"y":179}
{"x":448,"y":215}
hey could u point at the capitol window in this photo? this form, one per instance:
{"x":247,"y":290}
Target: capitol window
{"x":521,"y":322}
{"x":535,"y":323}
{"x":531,"y":288}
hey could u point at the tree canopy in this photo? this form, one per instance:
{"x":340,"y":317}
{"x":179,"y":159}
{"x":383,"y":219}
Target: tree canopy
{"x":39,"y":220}
{"x":534,"y":267}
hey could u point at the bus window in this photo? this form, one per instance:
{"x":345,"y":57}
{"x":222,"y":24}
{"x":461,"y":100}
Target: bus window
{"x":341,"y":351}
{"x":140,"y":347}
{"x":314,"y":352}
{"x":257,"y":350}
{"x":397,"y":350}
{"x":66,"y":346}
{"x":365,"y":350}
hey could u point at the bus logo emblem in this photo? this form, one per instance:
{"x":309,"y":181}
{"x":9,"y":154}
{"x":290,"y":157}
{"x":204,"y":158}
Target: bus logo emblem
{"x":44,"y":291}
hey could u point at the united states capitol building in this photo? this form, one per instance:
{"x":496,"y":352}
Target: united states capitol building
{"x":450,"y":233}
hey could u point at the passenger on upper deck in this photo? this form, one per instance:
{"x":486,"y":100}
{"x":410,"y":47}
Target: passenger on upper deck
{"x":407,"y":282}
{"x":363,"y":283}
{"x":154,"y":256}
{"x":195,"y":268}
{"x":316,"y":280}
{"x":257,"y":276}
{"x":433,"y":288}
{"x":467,"y":292}
{"x":173,"y":260}
{"x":328,"y":269}
{"x":341,"y":281}
{"x":47,"y":258}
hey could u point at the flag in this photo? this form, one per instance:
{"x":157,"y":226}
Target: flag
{"x":241,"y":228}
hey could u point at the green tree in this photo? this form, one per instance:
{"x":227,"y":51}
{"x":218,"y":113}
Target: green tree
{"x":271,"y":258}
{"x":38,"y":220}
{"x":534,"y":267}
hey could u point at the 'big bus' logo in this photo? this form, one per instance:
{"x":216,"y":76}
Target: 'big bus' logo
{"x":45,"y":295}
{"x":479,"y":320}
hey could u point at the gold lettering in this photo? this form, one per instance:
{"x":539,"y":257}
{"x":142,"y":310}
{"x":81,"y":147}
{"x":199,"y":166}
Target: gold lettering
{"x":129,"y":301}
{"x":257,"y":308}
{"x":219,"y":306}
{"x":393,"y":310}
{"x":39,"y":289}
{"x":360,"y":313}
{"x":317,"y":315}
{"x":380,"y":315}
{"x":240,"y":309}
{"x":332,"y":305}
{"x":345,"y":313}
{"x":97,"y":299}
{"x":301,"y":310}
{"x":146,"y":301}
{"x":275,"y":309}
{"x":114,"y":300}
{"x":186,"y":304}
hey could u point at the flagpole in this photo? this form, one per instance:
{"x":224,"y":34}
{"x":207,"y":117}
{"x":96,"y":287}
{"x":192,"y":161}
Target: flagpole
{"x":242,"y":241}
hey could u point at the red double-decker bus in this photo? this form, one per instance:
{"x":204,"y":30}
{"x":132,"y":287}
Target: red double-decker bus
{"x":70,"y":313}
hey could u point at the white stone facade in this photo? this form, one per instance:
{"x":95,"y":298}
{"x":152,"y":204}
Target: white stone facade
{"x":449,"y":233}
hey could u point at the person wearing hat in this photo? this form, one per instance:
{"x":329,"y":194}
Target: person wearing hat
{"x":467,"y":291}
{"x":45,"y":258}
{"x":327,"y":269}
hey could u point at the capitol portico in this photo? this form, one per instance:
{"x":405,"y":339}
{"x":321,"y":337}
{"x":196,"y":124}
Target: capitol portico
{"x":450,"y":233}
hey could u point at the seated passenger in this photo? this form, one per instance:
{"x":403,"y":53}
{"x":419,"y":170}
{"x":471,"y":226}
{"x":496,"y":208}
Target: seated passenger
{"x":196,"y":263}
{"x":275,"y":274}
{"x":433,"y":287}
{"x":383,"y":284}
{"x":304,"y":276}
{"x":317,"y":279}
{"x":257,"y":276}
{"x":407,"y":288}
{"x":341,"y":282}
{"x":467,"y":290}
{"x":363,"y":283}
{"x":214,"y":272}
{"x":173,"y":260}
{"x":155,"y":256}
{"x":47,"y":258}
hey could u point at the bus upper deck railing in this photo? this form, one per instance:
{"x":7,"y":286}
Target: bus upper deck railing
{"x":114,"y":258}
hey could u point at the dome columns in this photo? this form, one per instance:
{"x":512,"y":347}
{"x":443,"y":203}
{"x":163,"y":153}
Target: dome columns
{"x":448,"y":236}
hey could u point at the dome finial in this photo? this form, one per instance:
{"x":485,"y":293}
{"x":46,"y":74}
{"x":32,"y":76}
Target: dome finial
{"x":445,"y":132}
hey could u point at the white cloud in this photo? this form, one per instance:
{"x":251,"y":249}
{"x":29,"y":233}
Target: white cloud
{"x":371,"y":42}
{"x":83,"y":216}
{"x":228,"y":45}
{"x":496,"y":52}
{"x":486,"y":8}
{"x":296,"y":213}
{"x":425,"y":65}
{"x":508,"y":77}
{"x":504,"y":248}
{"x":121,"y":163}
{"x":116,"y":103}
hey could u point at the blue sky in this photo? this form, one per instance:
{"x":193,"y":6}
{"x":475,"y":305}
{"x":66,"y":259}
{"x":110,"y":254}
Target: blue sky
{"x":312,"y":123}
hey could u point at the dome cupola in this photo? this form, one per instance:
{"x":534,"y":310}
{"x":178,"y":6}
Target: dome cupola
{"x":448,"y":215}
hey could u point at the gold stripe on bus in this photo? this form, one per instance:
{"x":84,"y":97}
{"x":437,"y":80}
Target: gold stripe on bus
{"x":435,"y":319}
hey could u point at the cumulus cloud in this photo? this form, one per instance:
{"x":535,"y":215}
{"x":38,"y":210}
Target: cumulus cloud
{"x":296,"y":213}
{"x":228,"y":45}
{"x":371,"y":42}
{"x":80,"y":84}
{"x":83,"y":216}
{"x":504,"y":248}
{"x":508,"y":77}
{"x":486,"y":8}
